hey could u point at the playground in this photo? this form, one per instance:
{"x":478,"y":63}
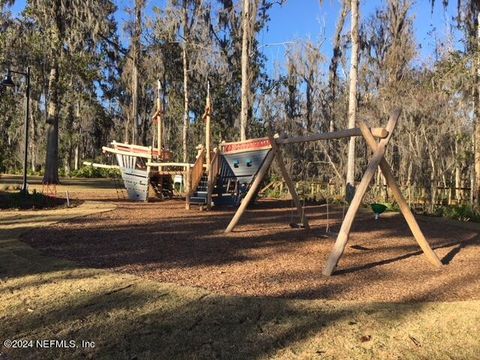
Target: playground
{"x":249,"y":179}
{"x":276,"y":273}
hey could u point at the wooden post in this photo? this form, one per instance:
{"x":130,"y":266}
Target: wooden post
{"x":207,"y":127}
{"x":154,"y":129}
{"x":252,"y":191}
{"x":212,"y":173}
{"x":404,"y":208}
{"x":150,"y":152}
{"x":344,"y":232}
{"x":159,"y":121}
{"x":207,"y":154}
{"x":289,"y":182}
{"x":159,"y":137}
{"x":186,"y":187}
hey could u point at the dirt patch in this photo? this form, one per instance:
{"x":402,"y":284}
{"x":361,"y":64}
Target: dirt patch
{"x":265,"y":257}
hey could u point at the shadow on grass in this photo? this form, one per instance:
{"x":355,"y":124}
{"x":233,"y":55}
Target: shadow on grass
{"x":134,"y":319}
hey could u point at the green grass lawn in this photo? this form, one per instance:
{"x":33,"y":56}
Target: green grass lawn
{"x":128,"y":317}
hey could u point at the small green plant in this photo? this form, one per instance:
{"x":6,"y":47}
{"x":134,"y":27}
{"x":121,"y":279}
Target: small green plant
{"x":392,"y":206}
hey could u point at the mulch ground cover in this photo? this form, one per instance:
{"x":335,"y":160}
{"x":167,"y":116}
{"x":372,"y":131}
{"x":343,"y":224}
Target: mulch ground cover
{"x":264,"y":256}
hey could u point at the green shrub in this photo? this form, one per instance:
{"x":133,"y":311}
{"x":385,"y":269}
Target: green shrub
{"x":461,"y":212}
{"x":93,"y":172}
{"x":18,"y":200}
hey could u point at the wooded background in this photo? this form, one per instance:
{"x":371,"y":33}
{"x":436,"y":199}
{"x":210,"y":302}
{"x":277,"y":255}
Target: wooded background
{"x":89,"y":88}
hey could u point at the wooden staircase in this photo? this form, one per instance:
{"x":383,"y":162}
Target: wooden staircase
{"x":200,"y":194}
{"x":229,"y":179}
{"x":202,"y":182}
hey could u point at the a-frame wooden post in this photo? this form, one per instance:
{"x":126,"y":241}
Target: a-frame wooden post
{"x":378,"y":159}
{"x":252,"y":191}
{"x":275,"y":153}
{"x":402,"y":203}
{"x":289,"y":182}
{"x":344,"y":232}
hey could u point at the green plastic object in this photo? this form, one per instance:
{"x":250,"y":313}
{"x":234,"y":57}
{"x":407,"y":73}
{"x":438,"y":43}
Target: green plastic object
{"x":378,"y":209}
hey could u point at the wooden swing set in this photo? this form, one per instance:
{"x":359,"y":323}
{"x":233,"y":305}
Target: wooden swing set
{"x":377,"y":160}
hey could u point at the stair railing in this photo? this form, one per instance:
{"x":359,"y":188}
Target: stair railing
{"x":213,"y":173}
{"x":196,"y":173}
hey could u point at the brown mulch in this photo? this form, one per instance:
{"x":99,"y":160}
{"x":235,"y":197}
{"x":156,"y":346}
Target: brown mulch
{"x":265,"y":257}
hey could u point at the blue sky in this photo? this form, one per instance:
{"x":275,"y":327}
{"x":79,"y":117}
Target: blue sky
{"x":301,"y":19}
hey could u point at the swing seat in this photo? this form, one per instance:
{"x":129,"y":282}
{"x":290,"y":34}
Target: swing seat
{"x":378,"y":209}
{"x":331,"y":234}
{"x":297,"y":226}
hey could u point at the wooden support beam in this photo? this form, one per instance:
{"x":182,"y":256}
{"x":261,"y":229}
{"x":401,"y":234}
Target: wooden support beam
{"x":381,"y":133}
{"x":252,"y":191}
{"x":402,"y":203}
{"x":102,"y":166}
{"x":208,"y":161}
{"x":213,"y":172}
{"x":173,"y":172}
{"x":186,"y":186}
{"x":207,"y":117}
{"x":145,"y":154}
{"x":173,"y":164}
{"x":159,"y":119}
{"x":132,"y":146}
{"x":149,"y":185}
{"x":289,"y":182}
{"x":344,"y":232}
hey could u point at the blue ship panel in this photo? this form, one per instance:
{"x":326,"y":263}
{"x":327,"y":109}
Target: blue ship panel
{"x":245,"y":165}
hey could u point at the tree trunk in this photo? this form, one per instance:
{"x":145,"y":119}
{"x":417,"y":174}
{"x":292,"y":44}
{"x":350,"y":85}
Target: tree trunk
{"x":67,"y":163}
{"x":337,"y":53}
{"x":136,"y":45}
{"x":309,"y":105}
{"x":458,"y":173}
{"x":33,"y":137}
{"x":51,"y":163}
{"x":75,"y":165}
{"x":409,"y":183}
{"x":433,"y":186}
{"x":127,"y":125}
{"x":185,"y":84}
{"x":166,"y":126}
{"x":134,"y":102}
{"x":50,"y":175}
{"x":78,"y":137}
{"x":352,"y":99}
{"x":476,"y":116}
{"x":245,"y":80}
